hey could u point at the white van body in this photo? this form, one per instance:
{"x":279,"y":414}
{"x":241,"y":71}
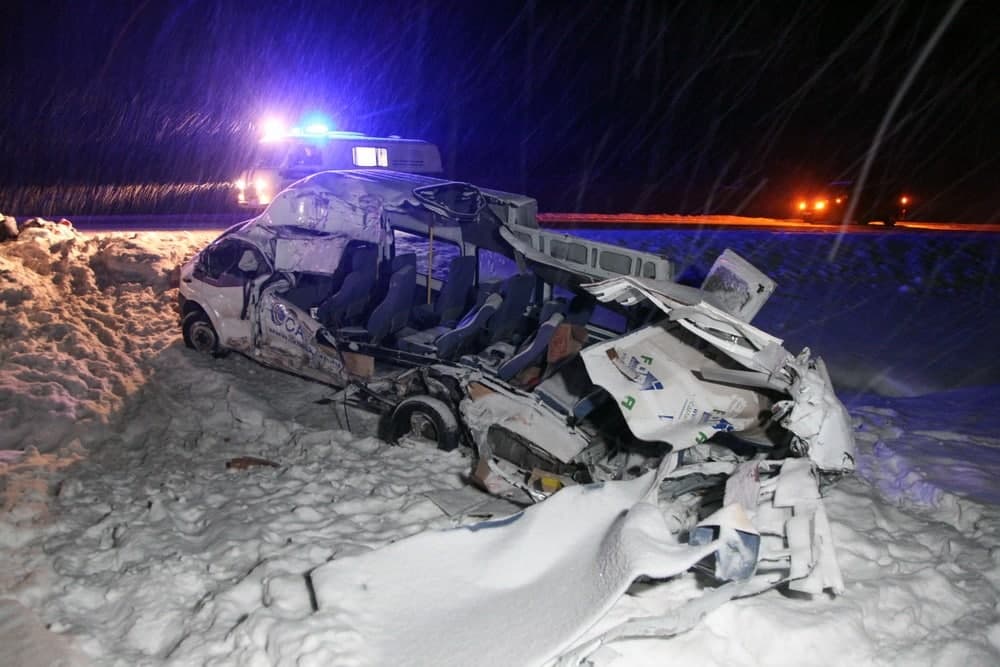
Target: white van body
{"x":338,"y":281}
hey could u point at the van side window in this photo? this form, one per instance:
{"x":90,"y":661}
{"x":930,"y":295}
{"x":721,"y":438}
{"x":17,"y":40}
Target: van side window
{"x":494,"y":265}
{"x":229,"y":264}
{"x":613,"y":261}
{"x":370,"y":156}
{"x":574,"y":252}
{"x":444,"y":252}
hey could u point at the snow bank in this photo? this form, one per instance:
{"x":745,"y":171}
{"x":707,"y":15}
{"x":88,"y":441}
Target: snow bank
{"x":80,"y":317}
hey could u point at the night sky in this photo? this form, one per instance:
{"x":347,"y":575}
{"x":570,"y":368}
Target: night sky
{"x":694,"y":106}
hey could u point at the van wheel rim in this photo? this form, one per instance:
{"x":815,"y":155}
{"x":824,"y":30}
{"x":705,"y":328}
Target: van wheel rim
{"x":203,"y":337}
{"x":422,"y":428}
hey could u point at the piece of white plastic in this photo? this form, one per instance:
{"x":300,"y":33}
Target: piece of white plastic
{"x":514,"y":591}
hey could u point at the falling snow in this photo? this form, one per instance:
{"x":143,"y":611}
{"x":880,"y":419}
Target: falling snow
{"x":127,"y":540}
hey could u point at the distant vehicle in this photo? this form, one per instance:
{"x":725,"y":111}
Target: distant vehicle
{"x":829,"y":206}
{"x":283,"y":157}
{"x":826,"y":206}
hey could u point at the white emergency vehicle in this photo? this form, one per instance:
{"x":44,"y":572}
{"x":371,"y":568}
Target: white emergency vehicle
{"x":285,"y":156}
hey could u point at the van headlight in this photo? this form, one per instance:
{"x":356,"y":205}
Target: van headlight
{"x":264,"y":190}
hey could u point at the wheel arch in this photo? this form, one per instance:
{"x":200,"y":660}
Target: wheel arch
{"x":189,"y":306}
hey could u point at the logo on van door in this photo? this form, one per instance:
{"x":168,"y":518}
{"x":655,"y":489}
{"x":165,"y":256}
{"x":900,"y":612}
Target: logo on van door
{"x":278,"y":313}
{"x":286,"y":324}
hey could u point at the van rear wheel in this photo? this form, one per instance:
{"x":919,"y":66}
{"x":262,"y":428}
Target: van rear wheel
{"x":423,"y":419}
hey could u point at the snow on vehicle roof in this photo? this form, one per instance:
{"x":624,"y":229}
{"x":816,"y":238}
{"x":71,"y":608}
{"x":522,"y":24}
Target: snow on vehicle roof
{"x":362,"y":193}
{"x":396,"y":188}
{"x":309,"y":223}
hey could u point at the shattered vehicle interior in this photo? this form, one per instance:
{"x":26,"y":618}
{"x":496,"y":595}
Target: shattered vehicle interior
{"x":445,"y":312}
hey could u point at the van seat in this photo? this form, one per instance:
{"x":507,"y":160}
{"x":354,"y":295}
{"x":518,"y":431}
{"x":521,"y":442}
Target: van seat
{"x":453,"y":298}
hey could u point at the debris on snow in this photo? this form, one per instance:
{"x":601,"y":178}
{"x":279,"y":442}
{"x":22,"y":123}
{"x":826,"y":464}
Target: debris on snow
{"x":245,"y":462}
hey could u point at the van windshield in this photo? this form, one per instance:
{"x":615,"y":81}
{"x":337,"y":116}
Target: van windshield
{"x":270,"y":155}
{"x":304,"y":155}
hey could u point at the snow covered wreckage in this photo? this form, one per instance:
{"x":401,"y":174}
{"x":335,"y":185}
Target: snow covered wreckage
{"x":445,"y":310}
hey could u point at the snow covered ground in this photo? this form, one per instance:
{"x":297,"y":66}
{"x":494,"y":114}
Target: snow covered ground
{"x":126,"y":539}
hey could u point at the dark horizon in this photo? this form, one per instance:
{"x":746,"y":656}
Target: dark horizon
{"x":679,"y":107}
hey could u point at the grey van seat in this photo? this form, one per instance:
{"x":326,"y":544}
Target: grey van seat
{"x":391,"y":315}
{"x":347,"y":304}
{"x":451,"y":301}
{"x":517,"y":291}
{"x":343,"y":308}
{"x":310,"y":289}
{"x":571,"y":392}
{"x":532,"y":350}
{"x":493,"y":356}
{"x":459,"y":339}
{"x":449,"y":343}
{"x":406,"y":259}
{"x":491,"y":303}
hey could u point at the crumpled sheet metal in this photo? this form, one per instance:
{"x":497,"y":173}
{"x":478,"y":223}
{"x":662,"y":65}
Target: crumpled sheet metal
{"x":512,"y":591}
{"x":813,"y":414}
{"x":817,"y":416}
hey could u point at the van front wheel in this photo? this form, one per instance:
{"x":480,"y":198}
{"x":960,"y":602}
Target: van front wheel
{"x":199,"y":334}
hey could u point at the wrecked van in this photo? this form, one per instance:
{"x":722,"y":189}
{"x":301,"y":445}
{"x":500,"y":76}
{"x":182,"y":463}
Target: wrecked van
{"x":445,"y":311}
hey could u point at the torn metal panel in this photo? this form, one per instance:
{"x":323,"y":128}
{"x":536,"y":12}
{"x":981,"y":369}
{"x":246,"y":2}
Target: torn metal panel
{"x":814,"y":414}
{"x":782,"y":499}
{"x":525,"y":416}
{"x":650,"y":375}
{"x":737,"y":286}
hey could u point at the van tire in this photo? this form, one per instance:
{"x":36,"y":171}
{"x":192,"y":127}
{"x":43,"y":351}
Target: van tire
{"x":200,"y":335}
{"x":423,"y":417}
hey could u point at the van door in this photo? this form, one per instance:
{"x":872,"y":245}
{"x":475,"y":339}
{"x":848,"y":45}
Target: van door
{"x":228,"y":270}
{"x":289,"y":338}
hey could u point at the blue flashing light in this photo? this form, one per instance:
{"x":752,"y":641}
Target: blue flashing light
{"x":316,"y":123}
{"x":312,"y":126}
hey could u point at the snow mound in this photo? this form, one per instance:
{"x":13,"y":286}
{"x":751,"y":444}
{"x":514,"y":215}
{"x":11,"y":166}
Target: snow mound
{"x":80,"y":318}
